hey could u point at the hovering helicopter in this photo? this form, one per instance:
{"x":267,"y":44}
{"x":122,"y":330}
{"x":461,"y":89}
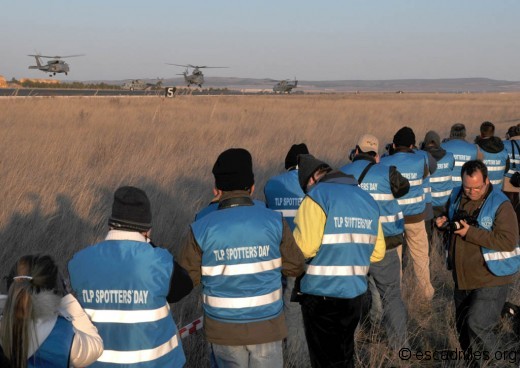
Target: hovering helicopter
{"x":53,"y":66}
{"x":285,"y":86}
{"x":196,"y":77}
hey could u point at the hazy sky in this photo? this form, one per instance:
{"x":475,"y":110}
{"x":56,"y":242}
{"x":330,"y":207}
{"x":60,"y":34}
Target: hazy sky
{"x":329,"y":40}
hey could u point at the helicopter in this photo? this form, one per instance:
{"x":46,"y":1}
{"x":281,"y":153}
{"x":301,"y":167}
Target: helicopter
{"x":285,"y":86}
{"x":196,"y":77}
{"x":140,"y":85}
{"x":53,"y":66}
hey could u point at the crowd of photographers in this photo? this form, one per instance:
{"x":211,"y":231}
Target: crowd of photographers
{"x":351,"y":227}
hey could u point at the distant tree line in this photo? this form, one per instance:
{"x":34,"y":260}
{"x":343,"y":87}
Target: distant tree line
{"x":69,"y":85}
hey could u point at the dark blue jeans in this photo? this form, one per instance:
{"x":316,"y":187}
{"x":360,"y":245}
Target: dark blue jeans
{"x":477,"y":313}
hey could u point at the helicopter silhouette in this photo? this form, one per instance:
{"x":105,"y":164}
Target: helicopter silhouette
{"x":196,"y":77}
{"x":285,"y":85}
{"x":53,"y":66}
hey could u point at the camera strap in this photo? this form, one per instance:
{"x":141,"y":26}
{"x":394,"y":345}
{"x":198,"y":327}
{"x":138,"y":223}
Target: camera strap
{"x":364,"y":172}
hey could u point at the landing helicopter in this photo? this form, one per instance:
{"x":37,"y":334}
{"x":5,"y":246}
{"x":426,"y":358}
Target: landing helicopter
{"x":196,"y":77}
{"x":53,"y":66}
{"x":285,"y":86}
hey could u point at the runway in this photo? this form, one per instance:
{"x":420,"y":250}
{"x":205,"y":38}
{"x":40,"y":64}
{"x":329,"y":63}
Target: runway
{"x":49,"y":92}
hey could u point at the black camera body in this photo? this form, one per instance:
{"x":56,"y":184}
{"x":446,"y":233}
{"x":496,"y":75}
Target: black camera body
{"x":455,"y":224}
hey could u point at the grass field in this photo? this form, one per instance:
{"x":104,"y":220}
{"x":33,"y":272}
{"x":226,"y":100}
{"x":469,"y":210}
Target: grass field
{"x":62,"y":159}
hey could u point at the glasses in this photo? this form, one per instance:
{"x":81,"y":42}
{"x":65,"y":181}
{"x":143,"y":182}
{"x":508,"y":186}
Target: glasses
{"x":474,"y":189}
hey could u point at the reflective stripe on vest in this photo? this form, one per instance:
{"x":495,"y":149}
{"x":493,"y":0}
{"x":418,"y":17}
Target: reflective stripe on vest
{"x":499,"y":263}
{"x":128,"y":316}
{"x":241,"y":246}
{"x":340,"y":266}
{"x":442,"y":194}
{"x":337,"y":270}
{"x":138,"y":356}
{"x":247,"y":302}
{"x":241,"y":269}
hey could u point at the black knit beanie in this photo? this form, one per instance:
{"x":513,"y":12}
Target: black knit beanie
{"x":233,"y":170}
{"x":131,"y":210}
{"x":307,"y":166}
{"x":291,"y":159}
{"x":404,"y":137}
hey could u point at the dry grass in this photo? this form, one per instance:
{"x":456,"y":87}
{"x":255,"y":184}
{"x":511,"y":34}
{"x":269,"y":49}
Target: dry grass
{"x":62,"y":158}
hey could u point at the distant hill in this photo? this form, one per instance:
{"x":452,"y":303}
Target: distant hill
{"x":456,"y":85}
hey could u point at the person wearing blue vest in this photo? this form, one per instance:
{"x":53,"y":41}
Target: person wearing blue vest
{"x":483,"y":254}
{"x":238,"y":253}
{"x":441,"y":183}
{"x":384,"y":184}
{"x":125,"y":283}
{"x":284,"y":194}
{"x":512,"y":146}
{"x":340,"y":234}
{"x":462,"y":150}
{"x":496,"y":157}
{"x":413,"y":166}
{"x":43,"y":325}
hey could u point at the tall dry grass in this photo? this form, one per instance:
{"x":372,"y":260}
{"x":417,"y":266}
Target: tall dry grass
{"x":62,"y":158}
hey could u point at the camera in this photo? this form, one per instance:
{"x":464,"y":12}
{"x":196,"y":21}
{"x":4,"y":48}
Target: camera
{"x":455,"y":223}
{"x":352,"y":154}
{"x":389,"y":147}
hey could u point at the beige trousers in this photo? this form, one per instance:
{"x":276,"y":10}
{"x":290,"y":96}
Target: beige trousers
{"x":417,"y":241}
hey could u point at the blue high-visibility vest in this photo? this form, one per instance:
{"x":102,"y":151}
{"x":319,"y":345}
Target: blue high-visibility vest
{"x":241,"y":263}
{"x":340,"y":267}
{"x":122,"y":285}
{"x":411,"y":166}
{"x":213,"y":206}
{"x":462,"y":152}
{"x":426,"y":181}
{"x":377,"y":184}
{"x":499,"y":263}
{"x":496,"y":165}
{"x":441,"y":180}
{"x":284,"y":194}
{"x":514,"y":163}
{"x":55,"y":350}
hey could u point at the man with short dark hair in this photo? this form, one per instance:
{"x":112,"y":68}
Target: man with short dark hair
{"x":238,"y":252}
{"x":125,"y":284}
{"x":338,"y":230}
{"x":495,"y":155}
{"x":483,"y":255}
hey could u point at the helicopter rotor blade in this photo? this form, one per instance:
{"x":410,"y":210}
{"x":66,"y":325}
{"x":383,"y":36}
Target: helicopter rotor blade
{"x":58,"y":56}
{"x":184,"y":66}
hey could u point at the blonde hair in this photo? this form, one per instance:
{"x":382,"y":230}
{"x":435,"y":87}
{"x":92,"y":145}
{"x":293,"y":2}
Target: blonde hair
{"x":40,"y":273}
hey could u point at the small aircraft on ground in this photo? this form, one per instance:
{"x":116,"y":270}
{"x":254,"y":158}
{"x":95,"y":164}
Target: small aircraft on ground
{"x":196,"y":77}
{"x":285,"y":86}
{"x":140,"y":85}
{"x":56,"y":65}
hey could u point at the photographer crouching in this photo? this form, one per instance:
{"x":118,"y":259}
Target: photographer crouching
{"x":483,"y":255}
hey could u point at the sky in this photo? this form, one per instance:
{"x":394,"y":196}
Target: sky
{"x":309,"y":40}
